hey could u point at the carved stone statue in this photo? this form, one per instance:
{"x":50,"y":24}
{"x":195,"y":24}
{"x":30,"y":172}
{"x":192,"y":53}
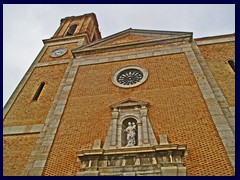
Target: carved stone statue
{"x":134,"y":129}
{"x":131,"y":134}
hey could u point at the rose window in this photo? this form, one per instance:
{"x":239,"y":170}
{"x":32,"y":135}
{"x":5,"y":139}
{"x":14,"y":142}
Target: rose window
{"x":130,"y":76}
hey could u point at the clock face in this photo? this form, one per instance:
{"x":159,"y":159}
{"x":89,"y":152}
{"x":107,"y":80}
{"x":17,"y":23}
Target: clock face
{"x":58,"y":52}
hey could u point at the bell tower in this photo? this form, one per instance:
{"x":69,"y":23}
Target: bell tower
{"x":73,"y":32}
{"x":34,"y":103}
{"x":79,"y":26}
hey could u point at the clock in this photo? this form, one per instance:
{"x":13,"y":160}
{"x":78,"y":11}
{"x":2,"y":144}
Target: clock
{"x":58,"y":52}
{"x":130,"y":76}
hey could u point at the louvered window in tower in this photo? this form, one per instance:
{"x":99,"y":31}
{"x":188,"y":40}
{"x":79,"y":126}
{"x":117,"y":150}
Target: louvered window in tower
{"x":71,"y":30}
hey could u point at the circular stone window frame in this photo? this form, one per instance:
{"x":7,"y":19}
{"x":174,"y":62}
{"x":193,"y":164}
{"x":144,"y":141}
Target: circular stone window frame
{"x":116,"y":74}
{"x":54,"y":56}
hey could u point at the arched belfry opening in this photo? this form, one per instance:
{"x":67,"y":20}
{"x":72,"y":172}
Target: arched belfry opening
{"x":71,"y":30}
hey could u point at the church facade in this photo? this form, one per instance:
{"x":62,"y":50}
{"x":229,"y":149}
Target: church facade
{"x":136,"y":103}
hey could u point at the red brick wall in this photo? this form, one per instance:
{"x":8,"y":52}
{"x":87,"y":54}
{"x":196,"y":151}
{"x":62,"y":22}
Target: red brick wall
{"x":24,"y":111}
{"x":16,"y":151}
{"x":177,"y":109}
{"x":216,"y":56}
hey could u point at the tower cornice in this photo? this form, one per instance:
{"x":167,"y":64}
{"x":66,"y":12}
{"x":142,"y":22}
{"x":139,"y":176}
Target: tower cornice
{"x":67,"y":38}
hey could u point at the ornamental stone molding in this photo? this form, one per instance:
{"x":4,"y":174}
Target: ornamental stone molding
{"x":159,"y":160}
{"x":130,"y":148}
{"x":130,"y":122}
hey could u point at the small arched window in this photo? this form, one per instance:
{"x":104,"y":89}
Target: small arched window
{"x":38,"y":92}
{"x":232,"y":64}
{"x":71,"y":30}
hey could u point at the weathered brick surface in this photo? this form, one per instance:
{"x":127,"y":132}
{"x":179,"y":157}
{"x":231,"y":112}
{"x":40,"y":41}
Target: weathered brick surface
{"x":216,"y":56}
{"x":177,"y":109}
{"x":16,"y":151}
{"x":27,"y":112}
{"x":46,"y":56}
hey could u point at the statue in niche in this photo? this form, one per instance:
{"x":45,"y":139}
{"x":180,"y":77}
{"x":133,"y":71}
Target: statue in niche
{"x":131,"y":134}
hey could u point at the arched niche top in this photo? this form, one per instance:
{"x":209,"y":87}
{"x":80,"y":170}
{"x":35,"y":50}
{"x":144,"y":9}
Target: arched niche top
{"x":129,"y":117}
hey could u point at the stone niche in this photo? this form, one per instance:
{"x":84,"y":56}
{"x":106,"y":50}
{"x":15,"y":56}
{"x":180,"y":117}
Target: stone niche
{"x":131,"y":148}
{"x":135,"y":113}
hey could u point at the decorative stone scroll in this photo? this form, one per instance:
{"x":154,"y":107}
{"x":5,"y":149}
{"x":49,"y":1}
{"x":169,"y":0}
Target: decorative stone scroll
{"x":159,"y":160}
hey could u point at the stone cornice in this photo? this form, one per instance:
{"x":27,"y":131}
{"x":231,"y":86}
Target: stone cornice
{"x":141,"y":32}
{"x":132,"y":55}
{"x":128,"y":103}
{"x":64,"y":61}
{"x":133,"y":150}
{"x":26,"y":129}
{"x":215,"y":41}
{"x":67,"y":38}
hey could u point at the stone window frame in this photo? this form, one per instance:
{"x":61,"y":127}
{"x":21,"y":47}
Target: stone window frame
{"x":140,"y":68}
